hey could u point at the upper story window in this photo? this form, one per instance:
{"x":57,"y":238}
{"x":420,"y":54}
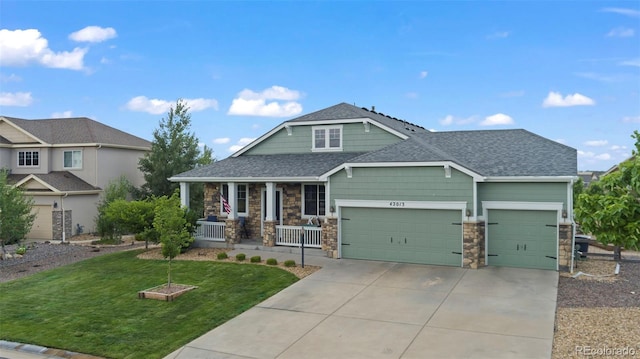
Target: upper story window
{"x":72,"y":159}
{"x":28,"y":158}
{"x":327,"y":138}
{"x":242,"y":199}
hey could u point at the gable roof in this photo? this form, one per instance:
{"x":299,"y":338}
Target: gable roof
{"x":79,"y":130}
{"x":60,"y":181}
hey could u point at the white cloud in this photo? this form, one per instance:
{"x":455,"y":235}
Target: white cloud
{"x":221,"y":141}
{"x":623,"y":11}
{"x":20,"y":99}
{"x":63,"y":114}
{"x":451,"y":120}
{"x":633,"y":62}
{"x":412,"y":95}
{"x":497,"y":119}
{"x":518,"y":93}
{"x":93,"y":34}
{"x":157,"y":106}
{"x":603,"y":156}
{"x":241,"y":143}
{"x":423,"y":74}
{"x":22,"y":47}
{"x":596,"y":143}
{"x":498,"y":35}
{"x":255,"y":126}
{"x":631,"y":119}
{"x":555,"y":99}
{"x":621,"y":32}
{"x":561,"y":140}
{"x":586,"y":154}
{"x":105,"y":61}
{"x":252,"y":103}
{"x":618,"y":148}
{"x":10,"y":78}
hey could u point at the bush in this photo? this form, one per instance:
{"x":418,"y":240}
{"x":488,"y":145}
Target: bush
{"x":272,"y":262}
{"x":223,"y":255}
{"x":289,"y":263}
{"x":240,"y":257}
{"x":256,"y":259}
{"x":21,"y":250}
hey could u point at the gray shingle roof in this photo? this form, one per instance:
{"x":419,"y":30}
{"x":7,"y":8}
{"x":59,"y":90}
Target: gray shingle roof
{"x":273,"y":166}
{"x":77,"y":130}
{"x":62,"y":180}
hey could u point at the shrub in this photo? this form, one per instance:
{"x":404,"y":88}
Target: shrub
{"x":21,"y":250}
{"x":289,"y":263}
{"x":240,"y":257}
{"x":256,"y":259}
{"x":272,"y":262}
{"x":223,"y":255}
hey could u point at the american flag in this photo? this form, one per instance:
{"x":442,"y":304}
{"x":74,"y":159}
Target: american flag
{"x":225,"y":204}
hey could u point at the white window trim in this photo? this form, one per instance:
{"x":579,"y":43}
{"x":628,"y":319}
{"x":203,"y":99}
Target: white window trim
{"x":72,"y":152}
{"x":224,"y":214}
{"x":27,"y":166}
{"x":326,"y":200}
{"x":326,"y":138}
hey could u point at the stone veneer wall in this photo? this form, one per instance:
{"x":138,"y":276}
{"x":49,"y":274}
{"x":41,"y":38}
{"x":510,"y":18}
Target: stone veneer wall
{"x":292,"y":204}
{"x":565,"y":249}
{"x":473,"y":245}
{"x":330,"y":237}
{"x":57,"y":224}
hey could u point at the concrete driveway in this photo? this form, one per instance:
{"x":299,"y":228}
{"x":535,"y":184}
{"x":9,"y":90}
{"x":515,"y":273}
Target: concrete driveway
{"x":365,"y":309}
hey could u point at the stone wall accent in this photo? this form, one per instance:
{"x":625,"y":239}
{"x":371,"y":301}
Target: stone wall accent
{"x":232,"y":231}
{"x":292,"y":204}
{"x":255,"y":209}
{"x":269,"y":237}
{"x":211,"y":199}
{"x":565,"y":249}
{"x":57,"y":224}
{"x":473,"y":244}
{"x":330,"y":237}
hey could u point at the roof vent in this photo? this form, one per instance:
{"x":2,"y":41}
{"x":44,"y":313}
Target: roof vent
{"x":373,"y":109}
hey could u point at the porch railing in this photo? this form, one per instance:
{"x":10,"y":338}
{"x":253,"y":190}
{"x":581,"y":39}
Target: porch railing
{"x":210,"y":231}
{"x":290,"y":236}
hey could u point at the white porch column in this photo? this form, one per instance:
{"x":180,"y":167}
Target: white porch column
{"x":271,"y":202}
{"x":184,"y":194}
{"x":233,"y":192}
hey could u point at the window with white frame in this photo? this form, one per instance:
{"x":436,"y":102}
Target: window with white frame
{"x":314,"y":200}
{"x":242,"y":199}
{"x":72,"y":159}
{"x":327,"y":138}
{"x":28,"y":158}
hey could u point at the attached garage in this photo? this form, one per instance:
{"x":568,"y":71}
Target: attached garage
{"x":522,"y":238}
{"x":426,"y":236}
{"x":42,"y":225}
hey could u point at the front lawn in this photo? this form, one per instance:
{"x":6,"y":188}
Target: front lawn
{"x":92,"y":306}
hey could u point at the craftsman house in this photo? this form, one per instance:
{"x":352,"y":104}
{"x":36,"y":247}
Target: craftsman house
{"x":361,"y":184}
{"x":65,"y":164}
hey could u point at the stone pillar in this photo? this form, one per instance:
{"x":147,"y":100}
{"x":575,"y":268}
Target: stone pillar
{"x":57,"y":224}
{"x":565,"y":248}
{"x":232,"y":231}
{"x":473,"y":245}
{"x":269,"y":238}
{"x":330,"y":237}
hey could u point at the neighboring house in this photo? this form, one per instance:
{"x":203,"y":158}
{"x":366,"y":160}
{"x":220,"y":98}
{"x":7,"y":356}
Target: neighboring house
{"x":590,"y":176}
{"x":380,"y":188}
{"x":64,"y":164}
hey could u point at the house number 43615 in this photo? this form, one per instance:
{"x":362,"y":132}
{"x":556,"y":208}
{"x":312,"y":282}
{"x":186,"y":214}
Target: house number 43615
{"x":396,"y":204}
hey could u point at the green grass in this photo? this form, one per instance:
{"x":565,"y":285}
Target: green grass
{"x":92,"y":306}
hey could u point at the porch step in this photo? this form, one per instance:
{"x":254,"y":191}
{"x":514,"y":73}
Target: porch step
{"x":280,"y":249}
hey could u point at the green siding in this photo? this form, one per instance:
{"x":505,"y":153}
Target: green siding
{"x":526,"y":239}
{"x":522,"y":192}
{"x":402,"y":184}
{"x":402,"y":235}
{"x":355,"y":139}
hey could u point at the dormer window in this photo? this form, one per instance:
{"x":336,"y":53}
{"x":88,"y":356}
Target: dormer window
{"x":28,"y":159}
{"x":327,"y":138}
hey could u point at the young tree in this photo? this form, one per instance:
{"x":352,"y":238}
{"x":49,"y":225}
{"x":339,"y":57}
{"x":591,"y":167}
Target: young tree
{"x":174,"y":149}
{"x":171,"y":224}
{"x":16,"y":218}
{"x":610,"y":207}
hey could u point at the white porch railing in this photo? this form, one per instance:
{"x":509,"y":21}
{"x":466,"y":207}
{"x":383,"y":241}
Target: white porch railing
{"x":210,"y":231}
{"x":290,"y":236}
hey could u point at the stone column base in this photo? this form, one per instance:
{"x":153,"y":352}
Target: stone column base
{"x":269,"y":237}
{"x":330,"y":237}
{"x":473,"y":245}
{"x":232,"y":231}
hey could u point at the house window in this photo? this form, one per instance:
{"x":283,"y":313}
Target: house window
{"x":72,"y":159}
{"x":314,"y":200}
{"x":28,"y":159}
{"x":327,"y":138}
{"x":242,"y":199}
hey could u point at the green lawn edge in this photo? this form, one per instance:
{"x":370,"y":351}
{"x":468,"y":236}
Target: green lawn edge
{"x":92,"y":306}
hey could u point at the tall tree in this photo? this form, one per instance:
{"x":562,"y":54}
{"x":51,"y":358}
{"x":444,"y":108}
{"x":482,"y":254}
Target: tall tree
{"x":610,"y":207}
{"x":174,"y":149}
{"x":16,"y":218}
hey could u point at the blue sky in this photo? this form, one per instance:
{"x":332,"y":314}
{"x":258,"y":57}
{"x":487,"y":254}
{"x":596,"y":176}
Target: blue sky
{"x":568,"y":71}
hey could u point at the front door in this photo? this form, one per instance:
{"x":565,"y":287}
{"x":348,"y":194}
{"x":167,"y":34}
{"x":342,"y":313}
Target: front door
{"x":278,"y":216}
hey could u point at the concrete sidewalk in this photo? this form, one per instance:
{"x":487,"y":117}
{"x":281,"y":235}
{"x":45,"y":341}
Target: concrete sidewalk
{"x":366,"y":309}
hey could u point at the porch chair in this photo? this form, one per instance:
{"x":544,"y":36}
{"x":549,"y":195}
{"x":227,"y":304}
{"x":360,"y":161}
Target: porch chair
{"x":244,"y":232}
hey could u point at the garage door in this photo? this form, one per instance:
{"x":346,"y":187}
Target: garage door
{"x":42,"y":225}
{"x":526,"y":239}
{"x":402,"y":235}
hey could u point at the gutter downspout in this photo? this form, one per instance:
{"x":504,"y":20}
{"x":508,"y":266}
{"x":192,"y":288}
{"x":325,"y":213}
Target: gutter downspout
{"x":573,"y":226}
{"x":96,"y":164}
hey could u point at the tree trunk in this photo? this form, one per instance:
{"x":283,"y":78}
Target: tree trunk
{"x":617,"y":255}
{"x":169,"y":274}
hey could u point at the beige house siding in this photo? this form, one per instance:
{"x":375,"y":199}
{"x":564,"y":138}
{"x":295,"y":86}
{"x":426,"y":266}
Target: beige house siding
{"x":115,"y":162}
